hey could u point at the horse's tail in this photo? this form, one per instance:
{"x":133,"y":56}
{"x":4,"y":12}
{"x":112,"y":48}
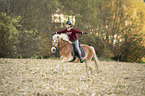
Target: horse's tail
{"x":95,"y":57}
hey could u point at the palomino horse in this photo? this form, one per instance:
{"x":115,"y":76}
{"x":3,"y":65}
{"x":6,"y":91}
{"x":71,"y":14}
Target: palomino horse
{"x":61,"y":42}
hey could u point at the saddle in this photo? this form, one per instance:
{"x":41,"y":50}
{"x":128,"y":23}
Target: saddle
{"x":75,"y":52}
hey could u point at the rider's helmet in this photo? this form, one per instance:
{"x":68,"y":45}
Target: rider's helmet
{"x":68,"y":22}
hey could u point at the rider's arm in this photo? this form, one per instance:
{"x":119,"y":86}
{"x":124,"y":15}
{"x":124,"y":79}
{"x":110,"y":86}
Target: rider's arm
{"x":62,"y":31}
{"x":80,"y":32}
{"x":77,"y":31}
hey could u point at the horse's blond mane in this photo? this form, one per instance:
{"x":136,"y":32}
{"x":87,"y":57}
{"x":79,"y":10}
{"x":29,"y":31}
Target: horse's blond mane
{"x":61,"y":36}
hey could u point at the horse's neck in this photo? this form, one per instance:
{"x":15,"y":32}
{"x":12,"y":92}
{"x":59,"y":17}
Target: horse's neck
{"x":63,"y":43}
{"x":66,"y":49}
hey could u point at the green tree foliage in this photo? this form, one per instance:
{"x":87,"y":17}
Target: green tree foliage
{"x":15,"y":40}
{"x":28,"y":44}
{"x":7,"y":32}
{"x":35,"y":15}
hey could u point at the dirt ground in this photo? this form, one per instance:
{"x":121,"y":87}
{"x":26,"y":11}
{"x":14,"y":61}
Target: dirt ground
{"x":46,"y":77}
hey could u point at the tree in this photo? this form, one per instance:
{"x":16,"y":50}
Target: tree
{"x":15,"y":40}
{"x":118,"y":20}
{"x":7,"y":33}
{"x":111,"y":24}
{"x":35,"y":15}
{"x":132,"y":48}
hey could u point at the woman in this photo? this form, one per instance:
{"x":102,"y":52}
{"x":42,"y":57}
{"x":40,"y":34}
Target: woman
{"x":72,"y":37}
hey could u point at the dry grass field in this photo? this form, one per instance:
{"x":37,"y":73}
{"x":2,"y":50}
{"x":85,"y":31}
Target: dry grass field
{"x":40,"y":77}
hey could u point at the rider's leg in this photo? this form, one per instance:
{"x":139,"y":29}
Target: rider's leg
{"x":74,"y":58}
{"x":78,"y":49}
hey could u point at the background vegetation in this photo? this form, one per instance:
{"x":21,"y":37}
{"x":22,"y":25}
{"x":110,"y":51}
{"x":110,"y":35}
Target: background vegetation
{"x":116,"y":27}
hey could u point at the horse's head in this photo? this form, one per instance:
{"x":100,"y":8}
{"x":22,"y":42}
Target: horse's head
{"x":57,"y":39}
{"x":55,"y":44}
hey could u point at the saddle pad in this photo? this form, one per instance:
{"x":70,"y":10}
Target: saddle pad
{"x":75,"y":52}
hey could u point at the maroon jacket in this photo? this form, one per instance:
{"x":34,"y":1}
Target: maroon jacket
{"x":71,"y":33}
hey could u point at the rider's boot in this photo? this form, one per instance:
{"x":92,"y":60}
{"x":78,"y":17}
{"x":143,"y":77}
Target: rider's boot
{"x":74,"y":58}
{"x":81,"y":60}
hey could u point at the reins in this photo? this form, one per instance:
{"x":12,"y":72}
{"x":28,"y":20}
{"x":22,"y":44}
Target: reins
{"x":63,"y":46}
{"x":58,"y":46}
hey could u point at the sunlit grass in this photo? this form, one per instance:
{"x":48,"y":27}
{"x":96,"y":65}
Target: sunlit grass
{"x":27,"y":77}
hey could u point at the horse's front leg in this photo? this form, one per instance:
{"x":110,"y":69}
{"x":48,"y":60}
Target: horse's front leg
{"x":61,"y":65}
{"x":88,"y":69}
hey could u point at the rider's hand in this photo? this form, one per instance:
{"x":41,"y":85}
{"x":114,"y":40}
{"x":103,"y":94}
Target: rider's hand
{"x":70,"y":42}
{"x":85,"y":33}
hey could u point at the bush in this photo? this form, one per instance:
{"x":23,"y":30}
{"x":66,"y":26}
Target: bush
{"x":27,"y":44}
{"x":131,"y":50}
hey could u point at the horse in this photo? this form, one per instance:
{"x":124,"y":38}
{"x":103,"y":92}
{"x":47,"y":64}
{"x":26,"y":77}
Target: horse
{"x":61,"y":42}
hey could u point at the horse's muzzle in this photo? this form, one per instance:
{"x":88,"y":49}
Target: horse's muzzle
{"x":53,"y":50}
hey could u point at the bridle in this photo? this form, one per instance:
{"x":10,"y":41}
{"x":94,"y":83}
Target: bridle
{"x":57,"y":47}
